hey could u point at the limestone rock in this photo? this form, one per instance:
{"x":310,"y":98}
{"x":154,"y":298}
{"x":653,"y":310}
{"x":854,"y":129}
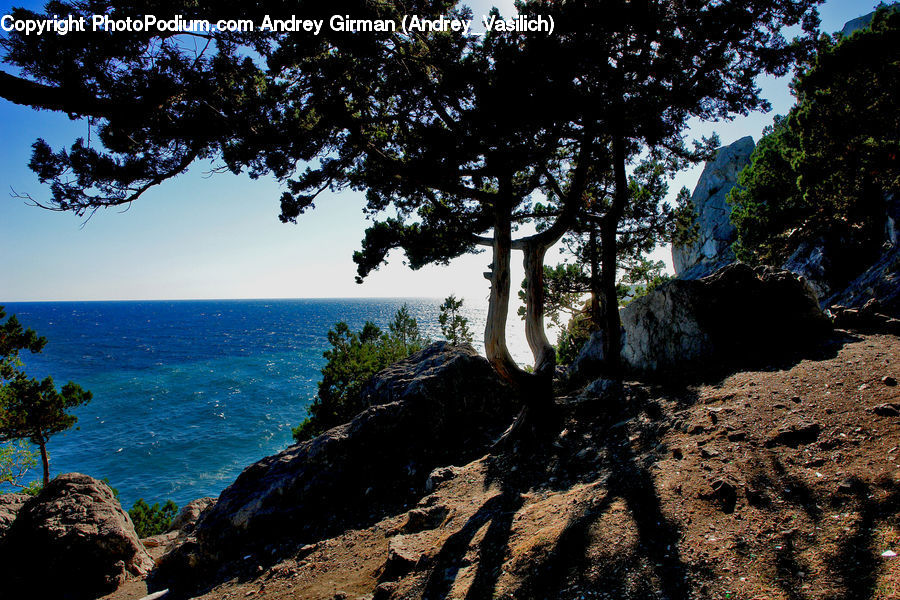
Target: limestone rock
{"x":76,"y":531}
{"x":712,"y":249}
{"x":187,"y":518}
{"x":9,"y":507}
{"x":736,"y":314}
{"x":443,"y":405}
{"x":589,"y":359}
{"x":880,"y":282}
{"x":812,"y":261}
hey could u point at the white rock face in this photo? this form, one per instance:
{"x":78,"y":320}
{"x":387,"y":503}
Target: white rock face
{"x":712,"y":249}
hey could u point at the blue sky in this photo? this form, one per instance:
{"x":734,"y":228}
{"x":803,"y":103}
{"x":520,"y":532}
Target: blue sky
{"x":219,"y":236}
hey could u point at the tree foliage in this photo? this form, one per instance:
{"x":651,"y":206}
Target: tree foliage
{"x":30,"y":409}
{"x":821,"y":173}
{"x":152,"y":520}
{"x":354,"y":357}
{"x":454,"y":326}
{"x":16,"y":459}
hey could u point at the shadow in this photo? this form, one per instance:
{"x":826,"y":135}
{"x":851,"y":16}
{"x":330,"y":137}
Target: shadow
{"x":856,"y":563}
{"x":566,"y":562}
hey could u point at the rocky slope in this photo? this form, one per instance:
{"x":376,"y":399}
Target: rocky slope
{"x":778,"y":483}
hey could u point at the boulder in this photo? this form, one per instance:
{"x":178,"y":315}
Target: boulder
{"x":736,"y":314}
{"x":76,"y":531}
{"x":187,"y":518}
{"x":9,"y":507}
{"x":712,"y":248}
{"x":443,"y":405}
{"x":589,"y":359}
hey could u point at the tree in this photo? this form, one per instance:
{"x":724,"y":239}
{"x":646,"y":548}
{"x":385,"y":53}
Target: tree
{"x":352,"y":360}
{"x":152,"y":520}
{"x":454,"y":326}
{"x":820,"y":174}
{"x":645,"y":68}
{"x":451,"y":134}
{"x":35,"y":410}
{"x":30,"y":409}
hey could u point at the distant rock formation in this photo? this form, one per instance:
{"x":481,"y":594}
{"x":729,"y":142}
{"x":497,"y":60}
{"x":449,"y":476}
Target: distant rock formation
{"x":712,"y":249}
{"x":861,"y":22}
{"x":736,"y":314}
{"x":73,"y":541}
{"x":442,"y":405}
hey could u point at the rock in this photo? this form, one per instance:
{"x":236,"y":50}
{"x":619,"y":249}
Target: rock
{"x":187,"y":518}
{"x":812,"y":261}
{"x":402,"y":558}
{"x":9,"y":507}
{"x":76,"y":530}
{"x":589,"y":360}
{"x":880,"y":282}
{"x":443,"y":405}
{"x":712,"y":249}
{"x":888,"y":409}
{"x":422,"y":519}
{"x":438,"y":476}
{"x":603,"y":389}
{"x":163,"y":539}
{"x":737,"y":314}
{"x":888,"y":381}
{"x":795,"y":434}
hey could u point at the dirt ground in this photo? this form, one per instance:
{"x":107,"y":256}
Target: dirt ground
{"x":779,"y":483}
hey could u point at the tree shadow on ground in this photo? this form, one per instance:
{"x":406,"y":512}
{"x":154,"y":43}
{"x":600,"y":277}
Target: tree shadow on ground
{"x":563,"y":566}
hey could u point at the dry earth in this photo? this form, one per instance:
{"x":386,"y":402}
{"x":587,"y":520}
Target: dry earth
{"x":782,"y":483}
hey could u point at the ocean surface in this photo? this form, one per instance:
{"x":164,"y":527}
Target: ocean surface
{"x":188,"y":393}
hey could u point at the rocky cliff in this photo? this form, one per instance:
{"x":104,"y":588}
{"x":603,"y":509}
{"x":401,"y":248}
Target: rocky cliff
{"x":712,"y":249}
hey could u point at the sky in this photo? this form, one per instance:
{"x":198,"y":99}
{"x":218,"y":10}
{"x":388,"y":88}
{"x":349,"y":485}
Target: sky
{"x":218,"y":236}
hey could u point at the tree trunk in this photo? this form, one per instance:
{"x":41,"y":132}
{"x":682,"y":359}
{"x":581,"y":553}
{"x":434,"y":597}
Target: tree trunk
{"x":498,"y":303}
{"x":45,"y":461}
{"x":544,"y":355}
{"x":608,"y":266}
{"x":596,"y":288}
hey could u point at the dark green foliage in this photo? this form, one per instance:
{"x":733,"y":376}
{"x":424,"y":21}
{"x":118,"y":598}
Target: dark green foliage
{"x":821,"y":173}
{"x":31,"y":409}
{"x":13,"y":340}
{"x":353,"y":359}
{"x":152,"y":520}
{"x":454,"y":326}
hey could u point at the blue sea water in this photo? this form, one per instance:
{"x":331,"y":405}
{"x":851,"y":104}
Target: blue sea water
{"x":188,"y":393}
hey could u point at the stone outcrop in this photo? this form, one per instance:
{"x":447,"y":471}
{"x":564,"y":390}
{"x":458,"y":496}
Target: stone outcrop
{"x":9,"y":507}
{"x":190,"y":514}
{"x":738,"y":313}
{"x":73,"y":541}
{"x":880,"y":282}
{"x":442,"y":405}
{"x":712,"y":249}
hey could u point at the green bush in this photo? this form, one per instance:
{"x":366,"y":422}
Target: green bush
{"x":354,"y":357}
{"x":152,"y":520}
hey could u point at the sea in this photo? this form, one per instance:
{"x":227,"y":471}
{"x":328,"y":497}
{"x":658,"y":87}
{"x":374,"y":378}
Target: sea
{"x":188,"y":393}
